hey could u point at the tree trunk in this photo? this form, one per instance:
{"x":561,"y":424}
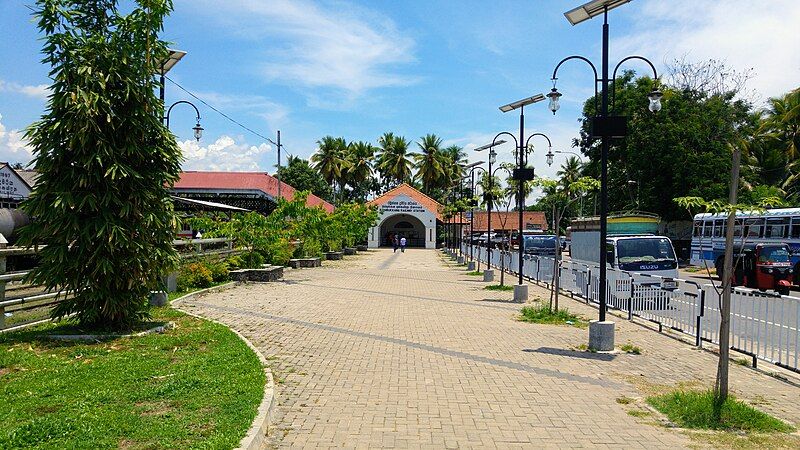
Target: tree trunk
{"x":721,"y":385}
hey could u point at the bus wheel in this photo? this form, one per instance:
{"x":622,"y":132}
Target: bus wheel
{"x":796,"y":274}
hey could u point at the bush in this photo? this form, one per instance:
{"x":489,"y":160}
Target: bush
{"x":234,"y":262}
{"x":219,"y":271}
{"x":280,"y":252}
{"x":251,"y":260}
{"x":194,"y":275}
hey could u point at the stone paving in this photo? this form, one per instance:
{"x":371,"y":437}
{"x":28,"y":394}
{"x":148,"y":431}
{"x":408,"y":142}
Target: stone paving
{"x":405,"y":350}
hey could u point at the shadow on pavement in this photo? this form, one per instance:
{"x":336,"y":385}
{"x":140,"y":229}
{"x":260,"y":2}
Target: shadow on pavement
{"x":572,"y":353}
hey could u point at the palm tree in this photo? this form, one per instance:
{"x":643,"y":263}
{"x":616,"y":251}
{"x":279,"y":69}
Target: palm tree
{"x":570,"y":171}
{"x":329,"y":159}
{"x":431,"y":163}
{"x":359,"y":171}
{"x":492,"y":191}
{"x":393,"y":162}
{"x":456,"y":159}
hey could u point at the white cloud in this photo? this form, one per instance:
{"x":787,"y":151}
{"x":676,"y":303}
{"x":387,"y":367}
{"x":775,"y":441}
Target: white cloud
{"x":40,"y":91}
{"x":225,"y":154}
{"x":13,"y":147}
{"x":336,"y":45}
{"x":761,"y":35}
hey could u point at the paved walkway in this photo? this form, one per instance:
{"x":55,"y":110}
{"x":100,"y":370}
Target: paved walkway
{"x":403,"y":350}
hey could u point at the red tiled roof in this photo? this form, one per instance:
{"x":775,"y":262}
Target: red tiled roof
{"x":406,"y":189}
{"x":510,"y":218}
{"x":260,"y":181}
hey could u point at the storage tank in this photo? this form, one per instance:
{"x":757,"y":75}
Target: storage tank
{"x":10,"y":222}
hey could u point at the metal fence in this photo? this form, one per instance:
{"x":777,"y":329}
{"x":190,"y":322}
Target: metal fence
{"x":22,"y":303}
{"x":763,"y":325}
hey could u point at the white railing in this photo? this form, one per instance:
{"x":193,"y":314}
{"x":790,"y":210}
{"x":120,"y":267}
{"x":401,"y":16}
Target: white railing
{"x":20,"y":299}
{"x":763,"y":325}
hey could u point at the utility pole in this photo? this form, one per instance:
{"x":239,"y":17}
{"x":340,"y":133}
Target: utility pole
{"x":279,"y":164}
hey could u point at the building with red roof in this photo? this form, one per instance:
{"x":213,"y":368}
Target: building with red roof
{"x":256,"y":191}
{"x":405,"y":212}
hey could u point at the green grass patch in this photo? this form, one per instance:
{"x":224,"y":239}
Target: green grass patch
{"x":499,"y":287}
{"x":197,"y":385}
{"x":632,"y":349}
{"x":543,"y":314}
{"x":693,"y":409}
{"x":475,"y":273}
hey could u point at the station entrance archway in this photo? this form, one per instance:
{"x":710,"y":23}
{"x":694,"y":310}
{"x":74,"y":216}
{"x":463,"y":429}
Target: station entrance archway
{"x":402,"y":225}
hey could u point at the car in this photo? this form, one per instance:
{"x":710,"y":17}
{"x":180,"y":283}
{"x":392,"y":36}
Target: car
{"x":514,"y":239}
{"x":540,"y":245}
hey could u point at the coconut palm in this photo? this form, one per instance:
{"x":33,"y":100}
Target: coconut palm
{"x":456,"y":160}
{"x":570,"y":171}
{"x":431,"y":163}
{"x":329,"y":159}
{"x":359,"y":170}
{"x":393,"y":162}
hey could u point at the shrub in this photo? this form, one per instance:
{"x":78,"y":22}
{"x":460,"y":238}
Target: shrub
{"x":219,"y":271}
{"x":251,"y":260}
{"x":280,"y":252}
{"x":234,"y":262}
{"x":194,"y":275}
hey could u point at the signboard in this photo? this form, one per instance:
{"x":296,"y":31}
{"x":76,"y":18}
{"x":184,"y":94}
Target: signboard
{"x":11,"y":185}
{"x":402,"y":206}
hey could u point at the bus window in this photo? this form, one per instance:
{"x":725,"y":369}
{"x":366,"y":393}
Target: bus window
{"x":698,"y":226}
{"x":776,"y":227}
{"x":737,"y":228}
{"x":707,"y":227}
{"x":754,"y":227}
{"x":718,"y":228}
{"x":795,"y":232}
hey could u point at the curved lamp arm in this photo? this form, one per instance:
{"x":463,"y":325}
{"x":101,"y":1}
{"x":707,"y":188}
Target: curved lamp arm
{"x":527,"y":141}
{"x":197,"y":111}
{"x":586,"y":60}
{"x":614,"y":76}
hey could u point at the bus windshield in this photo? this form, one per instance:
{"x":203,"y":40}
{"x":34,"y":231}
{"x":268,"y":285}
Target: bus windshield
{"x":774,"y":254}
{"x":644,"y":250}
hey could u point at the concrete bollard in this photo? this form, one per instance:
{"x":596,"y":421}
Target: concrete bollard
{"x":520,"y":293}
{"x":488,"y":275}
{"x":471,"y":266}
{"x":460,"y":260}
{"x":601,"y":335}
{"x":158,"y":298}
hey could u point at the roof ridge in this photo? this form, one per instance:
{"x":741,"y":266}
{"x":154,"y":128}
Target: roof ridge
{"x":410,"y":187}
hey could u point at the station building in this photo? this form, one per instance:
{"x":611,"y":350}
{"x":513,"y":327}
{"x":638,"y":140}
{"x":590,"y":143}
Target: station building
{"x":405,"y":212}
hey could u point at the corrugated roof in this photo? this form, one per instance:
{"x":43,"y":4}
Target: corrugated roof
{"x":260,"y":181}
{"x":406,"y":189}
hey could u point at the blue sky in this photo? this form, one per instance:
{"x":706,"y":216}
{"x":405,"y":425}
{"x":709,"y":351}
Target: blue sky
{"x":358,"y":69}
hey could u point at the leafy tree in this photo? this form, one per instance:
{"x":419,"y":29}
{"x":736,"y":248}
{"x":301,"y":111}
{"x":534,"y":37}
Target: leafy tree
{"x":299,"y":174}
{"x":431,"y":163}
{"x":680,"y":151}
{"x":359,"y":157}
{"x":329,"y":160}
{"x":104,"y":158}
{"x":394,"y":161}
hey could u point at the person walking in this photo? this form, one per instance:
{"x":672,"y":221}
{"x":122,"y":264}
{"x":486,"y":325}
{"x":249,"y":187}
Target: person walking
{"x":395,"y":243}
{"x":403,"y":244}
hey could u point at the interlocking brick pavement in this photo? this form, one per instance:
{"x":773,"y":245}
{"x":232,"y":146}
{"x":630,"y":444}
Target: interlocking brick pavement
{"x":403,"y":350}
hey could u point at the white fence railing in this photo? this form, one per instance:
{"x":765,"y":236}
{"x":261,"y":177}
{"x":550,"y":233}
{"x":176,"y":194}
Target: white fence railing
{"x":765,"y":326}
{"x":22,"y":303}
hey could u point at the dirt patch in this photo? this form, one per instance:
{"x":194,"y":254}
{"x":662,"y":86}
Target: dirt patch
{"x":154,"y":408}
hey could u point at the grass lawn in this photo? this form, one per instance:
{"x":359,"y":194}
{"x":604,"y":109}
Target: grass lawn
{"x":542,"y":314}
{"x":197,"y":385}
{"x":692,"y":409}
{"x":499,"y":287}
{"x":475,"y":273}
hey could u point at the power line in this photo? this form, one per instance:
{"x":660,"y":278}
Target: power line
{"x":222,"y":113}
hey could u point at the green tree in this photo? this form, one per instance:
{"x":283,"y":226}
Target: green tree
{"x":299,"y":174}
{"x":682,"y":150}
{"x":431,"y":163}
{"x":360,"y":156}
{"x":394,"y":160}
{"x":104,"y":158}
{"x":329,"y":160}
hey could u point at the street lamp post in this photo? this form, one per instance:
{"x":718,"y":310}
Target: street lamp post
{"x":491,"y":159}
{"x":601,"y":333}
{"x":521,"y":174}
{"x":167,"y":64}
{"x":198,"y":130}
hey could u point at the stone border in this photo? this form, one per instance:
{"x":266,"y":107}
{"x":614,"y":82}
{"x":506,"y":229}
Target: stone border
{"x":259,"y":429}
{"x":102,"y":337}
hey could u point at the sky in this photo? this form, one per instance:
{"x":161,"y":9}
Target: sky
{"x":358,"y":69}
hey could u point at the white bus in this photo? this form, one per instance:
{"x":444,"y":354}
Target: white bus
{"x":771,"y":226}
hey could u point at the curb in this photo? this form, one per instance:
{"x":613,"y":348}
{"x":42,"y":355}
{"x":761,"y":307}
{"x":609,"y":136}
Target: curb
{"x":259,"y":429}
